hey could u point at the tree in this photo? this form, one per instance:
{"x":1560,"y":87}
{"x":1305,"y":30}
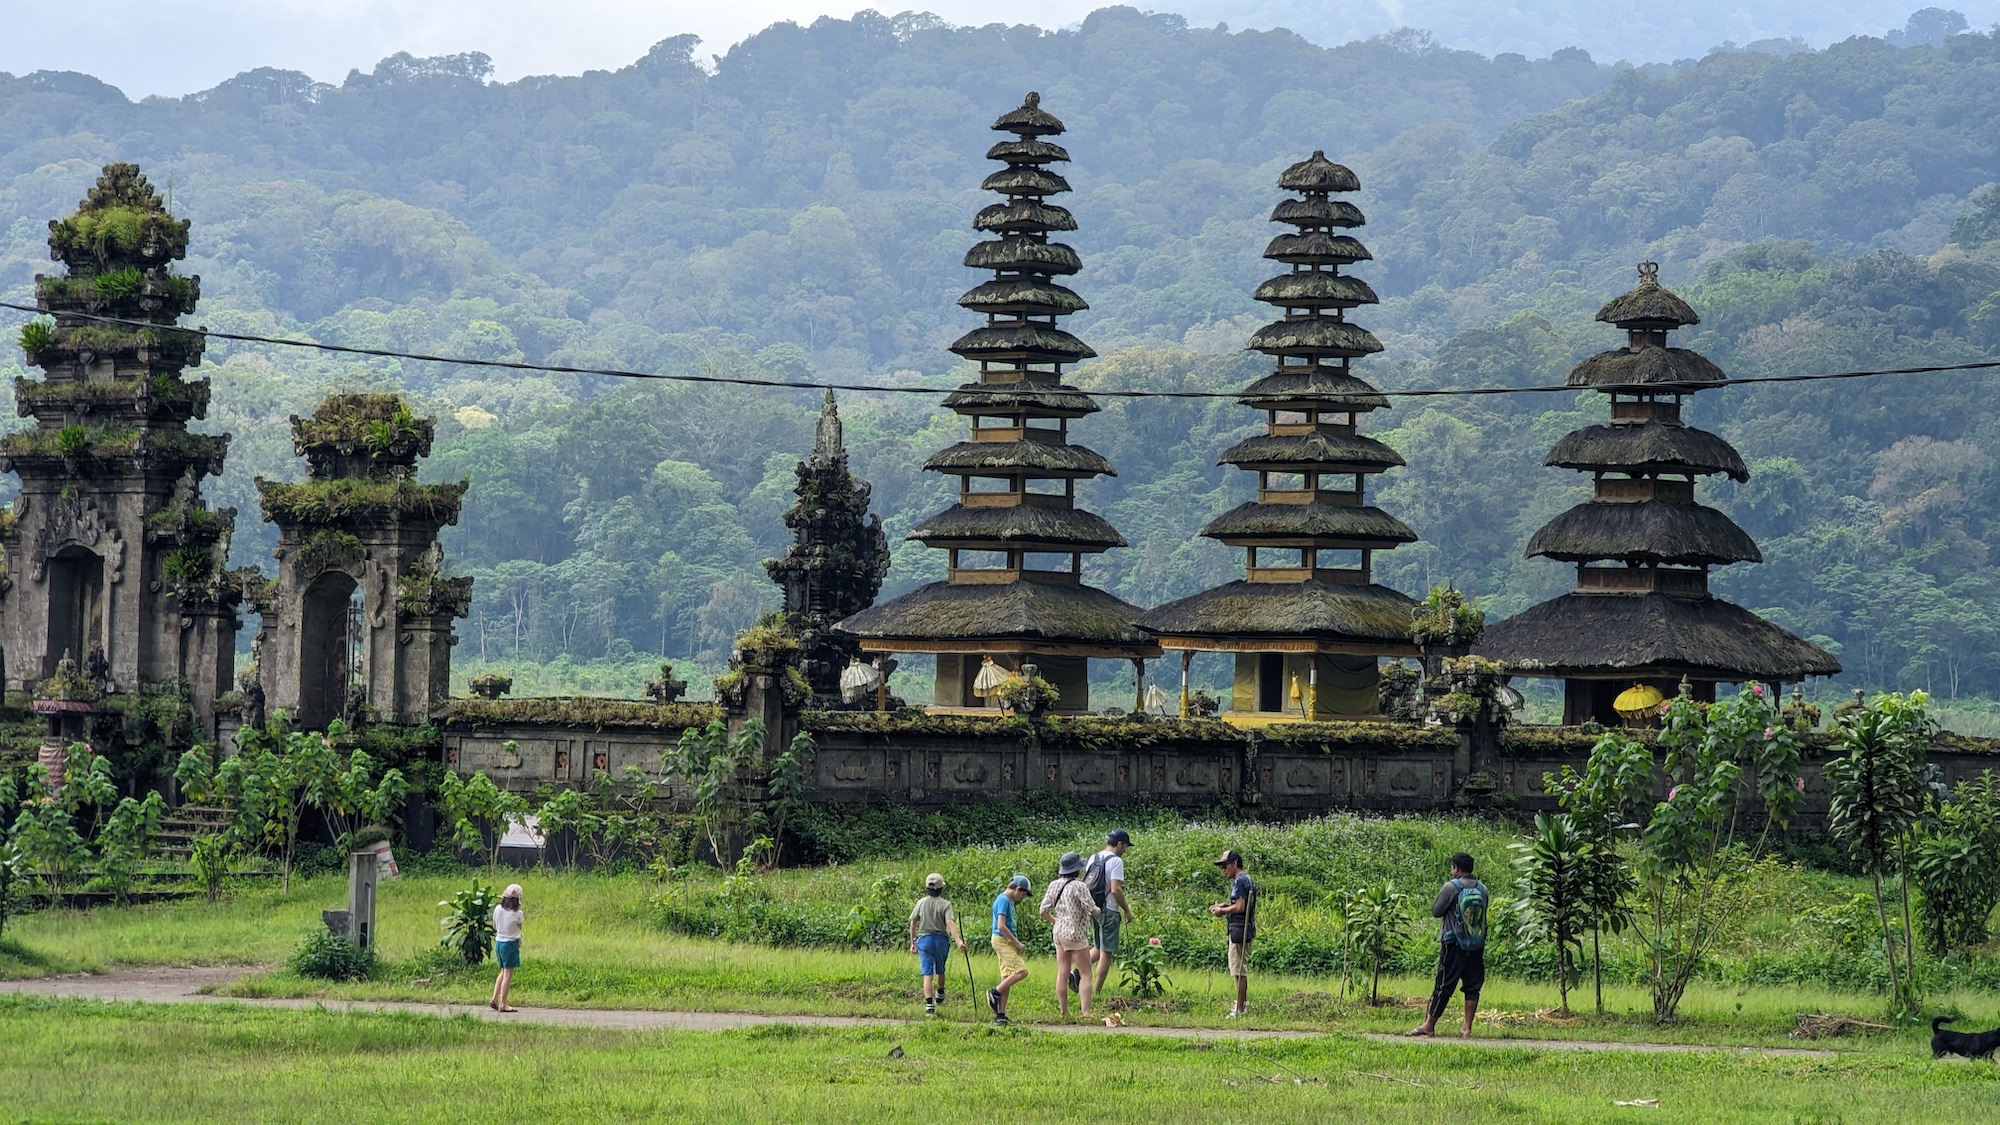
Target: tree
{"x":1374,"y":921}
{"x":1555,"y":880}
{"x":715,"y":767}
{"x":479,"y":812}
{"x":1953,"y":860}
{"x":1877,"y":796}
{"x":1615,"y":780}
{"x":1730,"y":766}
{"x":274,"y":777}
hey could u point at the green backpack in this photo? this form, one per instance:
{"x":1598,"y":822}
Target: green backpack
{"x":1471,"y":930}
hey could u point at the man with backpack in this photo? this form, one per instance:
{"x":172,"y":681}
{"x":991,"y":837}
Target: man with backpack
{"x":1239,"y":914}
{"x":1105,"y":880}
{"x":1461,"y":903}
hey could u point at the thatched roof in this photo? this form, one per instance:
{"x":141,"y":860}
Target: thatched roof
{"x":1023,"y":526}
{"x":1652,"y":447}
{"x":1023,"y":294}
{"x":1649,"y":305}
{"x":1315,"y":247}
{"x":1034,"y":342}
{"x":1030,"y":611}
{"x":1018,"y":215}
{"x":1319,"y":449}
{"x":1321,"y":519}
{"x":1319,"y":610}
{"x":1651,"y":636}
{"x":1027,"y":151}
{"x":1046,"y":458}
{"x":1048,"y":399}
{"x":1023,"y":254}
{"x":1646,"y":367}
{"x":1030,"y":120}
{"x":1024,"y":179}
{"x":1329,"y":388}
{"x":1660,"y":531}
{"x":1317,"y":173}
{"x":1317,"y":212}
{"x":1318,"y":336}
{"x":1316,"y":289}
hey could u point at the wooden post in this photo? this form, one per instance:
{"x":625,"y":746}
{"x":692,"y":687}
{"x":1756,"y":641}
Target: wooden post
{"x":1139,"y":680}
{"x":1187,"y":658}
{"x":882,"y":685}
{"x":1312,"y":688}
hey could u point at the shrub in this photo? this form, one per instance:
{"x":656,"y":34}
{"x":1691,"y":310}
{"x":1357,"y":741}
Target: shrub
{"x":325,"y":955}
{"x":38,"y":335}
{"x":71,"y":441}
{"x":468,"y":928}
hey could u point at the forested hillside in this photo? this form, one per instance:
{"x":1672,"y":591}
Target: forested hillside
{"x":801,"y":209}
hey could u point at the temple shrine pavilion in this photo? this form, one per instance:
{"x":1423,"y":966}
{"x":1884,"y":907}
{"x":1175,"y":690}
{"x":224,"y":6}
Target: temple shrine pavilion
{"x":1014,"y":592}
{"x":1306,"y":624}
{"x":1641,"y":614}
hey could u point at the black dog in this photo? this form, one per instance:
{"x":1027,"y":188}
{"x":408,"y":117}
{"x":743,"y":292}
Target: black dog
{"x":1971,"y":1044}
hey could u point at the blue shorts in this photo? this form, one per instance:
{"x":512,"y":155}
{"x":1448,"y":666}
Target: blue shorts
{"x":934,"y":953}
{"x":508,"y":953}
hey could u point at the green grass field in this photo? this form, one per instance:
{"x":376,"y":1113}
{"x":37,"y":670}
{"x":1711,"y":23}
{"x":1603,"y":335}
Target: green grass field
{"x":69,"y":1060}
{"x":630,"y":942}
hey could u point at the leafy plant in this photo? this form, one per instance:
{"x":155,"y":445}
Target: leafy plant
{"x":479,"y":812}
{"x":1375,"y":918}
{"x":567,"y":816}
{"x":119,"y":283}
{"x":126,"y":837}
{"x":1143,"y":971}
{"x":209,"y":856}
{"x":325,"y":955}
{"x":1554,"y":864}
{"x":1027,"y":695}
{"x":38,"y":335}
{"x":468,"y":922}
{"x":1877,"y":796}
{"x":1952,"y":860}
{"x":1447,"y":618}
{"x":1722,"y":761}
{"x":791,"y":772}
{"x":274,"y":777}
{"x":715,"y":767}
{"x":355,"y":795}
{"x":1615,"y":781}
{"x":72,"y":441}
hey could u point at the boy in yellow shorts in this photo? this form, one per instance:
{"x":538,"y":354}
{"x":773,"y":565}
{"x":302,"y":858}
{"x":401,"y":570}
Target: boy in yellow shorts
{"x":1008,"y":946}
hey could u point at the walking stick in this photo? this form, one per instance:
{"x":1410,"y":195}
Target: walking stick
{"x":969,"y":980}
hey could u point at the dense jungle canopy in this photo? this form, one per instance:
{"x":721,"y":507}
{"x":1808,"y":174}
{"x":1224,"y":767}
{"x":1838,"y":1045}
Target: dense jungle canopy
{"x":800,"y":206}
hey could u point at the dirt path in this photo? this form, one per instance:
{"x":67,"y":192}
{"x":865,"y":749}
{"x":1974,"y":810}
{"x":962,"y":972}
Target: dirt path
{"x":186,"y":985}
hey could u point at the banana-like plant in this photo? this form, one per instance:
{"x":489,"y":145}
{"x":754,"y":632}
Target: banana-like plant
{"x":1555,"y":866}
{"x":1877,"y":795}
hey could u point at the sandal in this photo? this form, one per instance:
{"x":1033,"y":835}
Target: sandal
{"x":1420,"y":1033}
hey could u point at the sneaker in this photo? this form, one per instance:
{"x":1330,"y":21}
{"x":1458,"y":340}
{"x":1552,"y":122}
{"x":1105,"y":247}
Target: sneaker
{"x":1234,"y":1014}
{"x":940,"y":996}
{"x":1000,"y":1019}
{"x":930,"y":1009}
{"x":993,"y":1000}
{"x":1075,"y":981}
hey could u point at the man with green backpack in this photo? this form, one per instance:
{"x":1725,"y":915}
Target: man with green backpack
{"x":1461,"y":903}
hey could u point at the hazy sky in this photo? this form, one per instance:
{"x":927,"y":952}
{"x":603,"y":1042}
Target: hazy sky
{"x":153,"y":47}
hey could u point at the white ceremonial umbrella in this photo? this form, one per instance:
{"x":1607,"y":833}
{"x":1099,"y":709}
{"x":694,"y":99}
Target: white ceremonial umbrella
{"x":990,"y":677}
{"x":857,"y":680}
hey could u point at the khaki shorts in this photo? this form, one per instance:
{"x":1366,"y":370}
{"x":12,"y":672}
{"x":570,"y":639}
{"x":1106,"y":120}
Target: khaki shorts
{"x":1012,"y":960}
{"x":1239,"y":958}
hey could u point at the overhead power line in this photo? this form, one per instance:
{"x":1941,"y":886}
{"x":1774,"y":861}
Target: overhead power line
{"x":876,"y":388}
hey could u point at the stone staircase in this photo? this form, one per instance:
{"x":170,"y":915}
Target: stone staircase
{"x":181,"y":827}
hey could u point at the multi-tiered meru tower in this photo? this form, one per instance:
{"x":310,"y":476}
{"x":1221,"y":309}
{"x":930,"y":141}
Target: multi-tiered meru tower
{"x":1305,"y":622}
{"x":1641,"y":612}
{"x":111,"y":556}
{"x":1014,"y":591}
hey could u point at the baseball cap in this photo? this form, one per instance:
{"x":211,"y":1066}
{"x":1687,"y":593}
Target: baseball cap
{"x":1229,"y":857}
{"x":1020,"y":881}
{"x":933,"y":880}
{"x":1118,"y":836}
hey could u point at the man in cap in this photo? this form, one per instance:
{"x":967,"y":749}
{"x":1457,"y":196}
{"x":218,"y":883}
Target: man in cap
{"x":1105,"y":879}
{"x":933,"y":929}
{"x":1240,"y":912}
{"x":1007,"y":946}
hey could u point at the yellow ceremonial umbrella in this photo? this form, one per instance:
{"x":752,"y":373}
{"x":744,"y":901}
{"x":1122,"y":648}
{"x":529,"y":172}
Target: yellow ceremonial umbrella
{"x":1638,"y":702}
{"x":990,"y":677}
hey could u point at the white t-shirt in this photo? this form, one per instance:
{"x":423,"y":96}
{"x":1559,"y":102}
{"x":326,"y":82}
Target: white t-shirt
{"x":506,"y":924}
{"x":1114,"y":869}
